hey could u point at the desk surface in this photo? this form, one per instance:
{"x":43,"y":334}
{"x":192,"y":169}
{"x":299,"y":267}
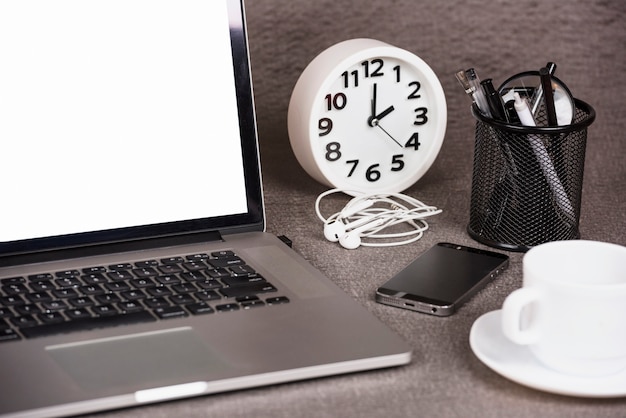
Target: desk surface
{"x":585,"y":38}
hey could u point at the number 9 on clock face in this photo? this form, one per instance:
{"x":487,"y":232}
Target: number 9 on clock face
{"x":367,"y":117}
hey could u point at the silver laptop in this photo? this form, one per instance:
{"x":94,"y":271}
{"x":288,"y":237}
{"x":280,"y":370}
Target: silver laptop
{"x":133,"y":263}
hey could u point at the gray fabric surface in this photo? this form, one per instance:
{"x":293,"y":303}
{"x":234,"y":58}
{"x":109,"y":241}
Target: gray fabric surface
{"x":585,"y":38}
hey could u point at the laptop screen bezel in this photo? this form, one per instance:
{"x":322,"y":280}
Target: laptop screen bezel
{"x":252,"y":220}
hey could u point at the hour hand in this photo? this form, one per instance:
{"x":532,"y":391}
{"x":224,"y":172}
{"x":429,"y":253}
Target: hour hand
{"x":373,"y":121}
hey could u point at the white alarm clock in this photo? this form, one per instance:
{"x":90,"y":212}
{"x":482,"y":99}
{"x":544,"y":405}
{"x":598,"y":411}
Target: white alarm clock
{"x":367,"y":117}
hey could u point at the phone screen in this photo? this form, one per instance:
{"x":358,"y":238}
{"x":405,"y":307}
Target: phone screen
{"x":442,"y":278}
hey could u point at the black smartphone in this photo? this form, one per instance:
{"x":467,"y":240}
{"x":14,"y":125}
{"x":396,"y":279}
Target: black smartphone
{"x":442,"y":279}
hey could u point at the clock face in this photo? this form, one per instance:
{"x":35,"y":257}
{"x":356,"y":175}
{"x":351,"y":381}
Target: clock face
{"x":377,"y":124}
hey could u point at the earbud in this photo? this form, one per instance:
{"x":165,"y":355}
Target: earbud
{"x":352,"y":240}
{"x":336,"y":229}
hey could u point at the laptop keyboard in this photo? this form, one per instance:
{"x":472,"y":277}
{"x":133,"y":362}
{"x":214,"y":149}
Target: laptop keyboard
{"x":127,"y":293}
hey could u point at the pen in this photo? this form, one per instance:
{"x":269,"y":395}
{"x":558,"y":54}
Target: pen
{"x":548,"y":95}
{"x":536,"y":100}
{"x":493,"y":100}
{"x":477,"y":92}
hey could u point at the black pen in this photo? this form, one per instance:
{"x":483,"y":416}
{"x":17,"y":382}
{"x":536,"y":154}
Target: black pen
{"x":548,"y":96}
{"x":494,"y":100}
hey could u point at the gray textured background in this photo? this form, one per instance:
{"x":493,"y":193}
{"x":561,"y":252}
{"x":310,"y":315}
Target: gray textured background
{"x":499,"y":38}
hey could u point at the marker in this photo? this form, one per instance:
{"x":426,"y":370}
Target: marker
{"x":523,"y":111}
{"x":494,"y":100}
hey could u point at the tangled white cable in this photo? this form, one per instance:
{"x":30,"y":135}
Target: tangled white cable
{"x":367,"y":215}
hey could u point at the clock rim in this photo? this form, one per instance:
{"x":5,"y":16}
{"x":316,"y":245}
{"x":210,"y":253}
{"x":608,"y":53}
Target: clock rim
{"x":313,"y":84}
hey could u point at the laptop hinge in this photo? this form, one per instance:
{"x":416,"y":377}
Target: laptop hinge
{"x":109,"y":248}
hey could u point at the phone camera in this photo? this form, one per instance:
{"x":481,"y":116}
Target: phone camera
{"x":433,"y":310}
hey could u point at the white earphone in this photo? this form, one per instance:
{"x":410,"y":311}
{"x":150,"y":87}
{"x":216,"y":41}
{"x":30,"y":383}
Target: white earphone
{"x":365,"y":216}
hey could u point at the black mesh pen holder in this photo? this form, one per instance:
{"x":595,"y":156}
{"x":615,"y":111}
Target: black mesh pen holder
{"x":527,"y":181}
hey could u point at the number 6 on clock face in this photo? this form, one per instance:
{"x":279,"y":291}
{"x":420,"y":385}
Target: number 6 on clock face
{"x":367,"y":117}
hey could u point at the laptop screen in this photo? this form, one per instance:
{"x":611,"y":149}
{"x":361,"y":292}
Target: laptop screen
{"x":123,"y":119}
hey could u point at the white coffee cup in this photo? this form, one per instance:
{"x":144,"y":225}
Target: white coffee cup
{"x":571,"y":310}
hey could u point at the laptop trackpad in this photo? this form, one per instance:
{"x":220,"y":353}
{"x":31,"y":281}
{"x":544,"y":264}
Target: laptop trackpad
{"x":154,"y":358}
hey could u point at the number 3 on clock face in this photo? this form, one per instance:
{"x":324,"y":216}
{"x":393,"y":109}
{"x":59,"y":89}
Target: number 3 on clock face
{"x":369,"y":118}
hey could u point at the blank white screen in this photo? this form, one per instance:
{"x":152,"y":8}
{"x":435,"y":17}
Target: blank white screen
{"x":115,"y":113}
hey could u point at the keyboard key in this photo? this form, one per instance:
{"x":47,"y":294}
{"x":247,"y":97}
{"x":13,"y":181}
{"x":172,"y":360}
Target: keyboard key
{"x":159,"y":291}
{"x":208,"y":295}
{"x":199,"y":308}
{"x":196,"y":257}
{"x":65,"y":282}
{"x":107,"y":298}
{"x":226,"y":262}
{"x":156,"y":303}
{"x":8,"y":334}
{"x":242,"y":270}
{"x":14,"y":289}
{"x":172,"y":260}
{"x":85,"y":324}
{"x":24,"y":321}
{"x":194,"y":265}
{"x":81,"y":302}
{"x":120,"y":275}
{"x":130,"y":306}
{"x":146,"y":263}
{"x":168,"y":279}
{"x":67,"y":274}
{"x":54,"y":305}
{"x":117,"y":286}
{"x":40,"y":276}
{"x":29,"y":309}
{"x":94,"y":278}
{"x":182,"y":299}
{"x":64,"y":293}
{"x":244,"y":280}
{"x":11,"y":300}
{"x":78,"y":313}
{"x":145,"y":272}
{"x":184,"y":288}
{"x":92,"y":289}
{"x":252,"y":289}
{"x":223,"y":254}
{"x":97,"y":269}
{"x":277,"y":300}
{"x":252,"y":304}
{"x":142,"y":283}
{"x":104,"y":310}
{"x":170,"y":312}
{"x":37,"y":297}
{"x":50,"y":317}
{"x":42,"y":285}
{"x":170,"y":269}
{"x":227,"y":307}
{"x":120,"y":267}
{"x":133,"y":294}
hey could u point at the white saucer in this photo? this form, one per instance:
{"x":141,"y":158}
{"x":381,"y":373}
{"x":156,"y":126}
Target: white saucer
{"x":517,"y":363}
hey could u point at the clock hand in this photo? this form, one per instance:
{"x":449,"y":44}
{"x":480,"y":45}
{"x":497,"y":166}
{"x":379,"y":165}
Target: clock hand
{"x":373,"y":104}
{"x":382,"y":114}
{"x":392,"y":138}
{"x":374,"y":120}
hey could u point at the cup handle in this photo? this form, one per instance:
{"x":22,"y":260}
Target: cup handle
{"x":512,"y":309}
